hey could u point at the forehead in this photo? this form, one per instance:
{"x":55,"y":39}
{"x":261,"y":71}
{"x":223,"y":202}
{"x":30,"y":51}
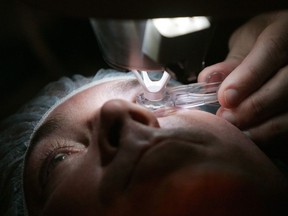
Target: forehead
{"x":77,"y":106}
{"x":94,"y":96}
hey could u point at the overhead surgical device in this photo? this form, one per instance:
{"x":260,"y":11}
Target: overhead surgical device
{"x":174,"y":46}
{"x":177,"y":45}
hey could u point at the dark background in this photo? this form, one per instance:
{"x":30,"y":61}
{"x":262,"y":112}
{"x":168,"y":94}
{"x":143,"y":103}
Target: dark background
{"x":38,"y":46}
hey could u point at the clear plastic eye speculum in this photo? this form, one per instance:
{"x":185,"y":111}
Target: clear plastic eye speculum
{"x":164,"y":101}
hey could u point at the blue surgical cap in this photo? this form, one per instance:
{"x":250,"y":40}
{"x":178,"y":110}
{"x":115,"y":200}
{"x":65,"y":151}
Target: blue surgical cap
{"x":17,"y":130}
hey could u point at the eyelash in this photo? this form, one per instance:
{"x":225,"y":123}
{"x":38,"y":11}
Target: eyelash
{"x":57,"y":148}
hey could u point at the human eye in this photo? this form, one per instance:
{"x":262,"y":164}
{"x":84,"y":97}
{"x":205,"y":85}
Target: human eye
{"x":56,"y":155}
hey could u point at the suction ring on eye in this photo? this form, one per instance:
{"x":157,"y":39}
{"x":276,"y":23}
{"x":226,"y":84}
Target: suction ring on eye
{"x":164,"y":101}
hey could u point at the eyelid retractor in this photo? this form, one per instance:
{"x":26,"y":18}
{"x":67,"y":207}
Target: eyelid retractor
{"x":189,"y":96}
{"x":153,"y":90}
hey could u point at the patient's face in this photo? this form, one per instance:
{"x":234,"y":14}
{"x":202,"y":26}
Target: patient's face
{"x":98,"y":153}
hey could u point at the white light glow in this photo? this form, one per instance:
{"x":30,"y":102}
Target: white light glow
{"x":173,"y":27}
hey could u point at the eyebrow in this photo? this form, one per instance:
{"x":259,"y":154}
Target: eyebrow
{"x":46,"y":129}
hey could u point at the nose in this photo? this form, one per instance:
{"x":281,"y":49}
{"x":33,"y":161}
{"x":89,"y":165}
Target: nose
{"x":121,"y":124}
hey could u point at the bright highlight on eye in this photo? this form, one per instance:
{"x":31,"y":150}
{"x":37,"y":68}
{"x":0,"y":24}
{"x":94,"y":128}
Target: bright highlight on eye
{"x":58,"y":158}
{"x":173,"y":27}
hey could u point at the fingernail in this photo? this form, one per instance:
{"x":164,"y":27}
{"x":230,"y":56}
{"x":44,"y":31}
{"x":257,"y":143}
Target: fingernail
{"x":228,"y":116}
{"x":215,"y":77}
{"x":231,"y":97}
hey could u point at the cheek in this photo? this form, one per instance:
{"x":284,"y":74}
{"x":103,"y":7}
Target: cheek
{"x":76,"y":194}
{"x":174,"y":121}
{"x":69,"y":200}
{"x":191,"y":118}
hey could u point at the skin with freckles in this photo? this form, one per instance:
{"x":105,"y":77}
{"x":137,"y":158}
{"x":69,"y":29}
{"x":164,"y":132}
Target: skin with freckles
{"x":99,"y":153}
{"x":253,"y":95}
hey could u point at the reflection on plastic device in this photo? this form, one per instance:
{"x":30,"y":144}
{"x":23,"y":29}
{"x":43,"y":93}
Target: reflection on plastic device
{"x":166,"y":101}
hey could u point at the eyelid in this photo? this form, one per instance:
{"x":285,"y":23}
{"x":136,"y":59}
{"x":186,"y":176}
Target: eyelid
{"x":55,"y":148}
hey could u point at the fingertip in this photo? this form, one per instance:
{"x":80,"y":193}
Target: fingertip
{"x":228,"y":95}
{"x":227,"y":115}
{"x":203,"y":74}
{"x":219,"y":111}
{"x":215,"y":77}
{"x":211,"y":77}
{"x":217,"y":72}
{"x":221,"y":98}
{"x":214,"y":73}
{"x":231,"y":97}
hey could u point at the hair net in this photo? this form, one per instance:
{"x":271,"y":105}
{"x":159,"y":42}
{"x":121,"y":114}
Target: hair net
{"x":16,"y":132}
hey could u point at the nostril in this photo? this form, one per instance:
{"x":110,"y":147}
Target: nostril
{"x":118,"y":120}
{"x":114,"y":134}
{"x":109,"y":141}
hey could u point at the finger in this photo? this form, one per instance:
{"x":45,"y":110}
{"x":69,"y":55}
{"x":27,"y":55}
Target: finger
{"x":267,"y":56}
{"x":271,"y":131}
{"x":240,"y":44}
{"x":218,"y":72}
{"x":270,"y":100}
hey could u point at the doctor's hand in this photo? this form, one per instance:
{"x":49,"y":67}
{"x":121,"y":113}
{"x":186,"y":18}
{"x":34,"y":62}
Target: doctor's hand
{"x":254,"y":93}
